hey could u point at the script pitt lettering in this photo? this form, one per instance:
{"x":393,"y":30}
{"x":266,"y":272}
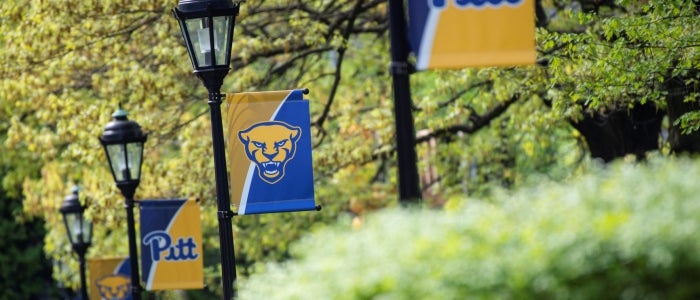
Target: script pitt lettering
{"x":160,"y":241}
{"x":440,"y":4}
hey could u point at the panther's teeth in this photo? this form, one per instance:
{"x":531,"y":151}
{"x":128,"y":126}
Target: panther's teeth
{"x":275,"y":163}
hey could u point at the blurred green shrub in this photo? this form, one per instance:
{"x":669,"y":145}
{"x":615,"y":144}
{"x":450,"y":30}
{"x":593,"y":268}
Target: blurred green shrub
{"x":623,"y":232}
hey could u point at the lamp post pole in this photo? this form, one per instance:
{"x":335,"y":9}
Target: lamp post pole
{"x":223,"y":201}
{"x":207,"y":29}
{"x":123,"y":141}
{"x":409,"y":187}
{"x":83,"y":280}
{"x":136,"y":288}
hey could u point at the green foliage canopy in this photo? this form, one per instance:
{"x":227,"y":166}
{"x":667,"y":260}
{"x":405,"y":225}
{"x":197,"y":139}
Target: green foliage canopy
{"x":67,"y":65}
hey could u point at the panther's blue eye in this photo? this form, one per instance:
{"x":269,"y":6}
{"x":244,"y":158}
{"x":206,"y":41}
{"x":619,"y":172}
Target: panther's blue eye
{"x":438,"y":3}
{"x":259,"y":144}
{"x":280,"y":143}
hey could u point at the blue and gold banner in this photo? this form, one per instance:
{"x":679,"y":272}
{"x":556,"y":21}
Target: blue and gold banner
{"x":269,"y":147}
{"x":171,"y":244}
{"x":451,"y":34}
{"x":110,"y":278}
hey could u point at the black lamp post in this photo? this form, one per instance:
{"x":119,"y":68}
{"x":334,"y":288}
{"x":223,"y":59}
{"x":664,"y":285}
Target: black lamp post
{"x":207,"y":27}
{"x":409,"y":186}
{"x":79,"y":232}
{"x":123,"y":144}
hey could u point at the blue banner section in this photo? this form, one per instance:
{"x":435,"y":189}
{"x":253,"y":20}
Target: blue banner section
{"x":418,"y":17}
{"x":270,"y":143}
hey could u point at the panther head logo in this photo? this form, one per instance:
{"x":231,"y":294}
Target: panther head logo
{"x":114,"y":287}
{"x":270,"y":145}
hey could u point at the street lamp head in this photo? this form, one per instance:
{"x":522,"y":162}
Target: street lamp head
{"x":123,"y":141}
{"x":207,"y":28}
{"x":78,"y":229}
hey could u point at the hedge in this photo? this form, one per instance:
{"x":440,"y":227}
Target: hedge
{"x":626,"y":231}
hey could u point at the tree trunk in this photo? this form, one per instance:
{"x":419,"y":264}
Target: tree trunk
{"x":676,"y":107}
{"x":622,"y":132}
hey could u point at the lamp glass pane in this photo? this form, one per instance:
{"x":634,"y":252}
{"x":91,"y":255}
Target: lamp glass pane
{"x":198,"y":30}
{"x":87,"y":231}
{"x":221,"y":37}
{"x":183,"y":29}
{"x":117,"y":159}
{"x":134,"y":153}
{"x":74,"y":226}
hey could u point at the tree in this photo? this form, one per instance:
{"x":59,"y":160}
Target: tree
{"x":623,"y":69}
{"x":68,"y":65}
{"x":22,"y":250}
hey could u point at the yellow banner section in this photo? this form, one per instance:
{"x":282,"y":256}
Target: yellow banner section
{"x":456,"y":34}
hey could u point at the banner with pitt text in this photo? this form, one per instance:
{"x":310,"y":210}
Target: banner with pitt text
{"x":269,"y":147}
{"x":171,"y":244}
{"x":451,"y":34}
{"x":110,"y":278}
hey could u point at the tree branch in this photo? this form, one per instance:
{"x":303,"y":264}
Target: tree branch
{"x":477,"y":122}
{"x":341,"y":54}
